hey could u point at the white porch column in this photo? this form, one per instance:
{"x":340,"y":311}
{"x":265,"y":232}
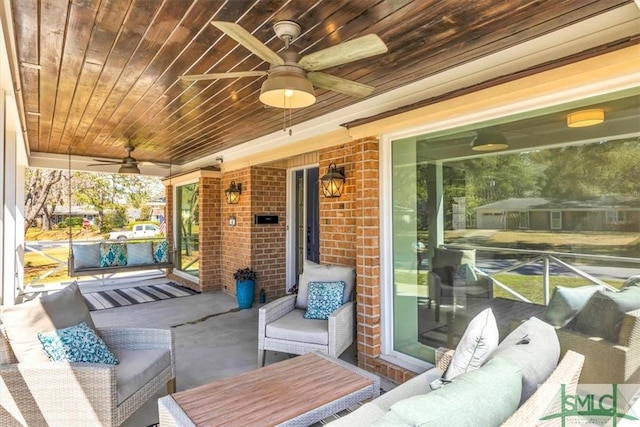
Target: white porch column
{"x":11,"y":212}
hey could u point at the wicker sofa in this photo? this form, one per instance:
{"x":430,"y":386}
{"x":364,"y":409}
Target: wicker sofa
{"x":36,"y":392}
{"x":476,"y":400}
{"x":602,"y":325}
{"x":606,"y":362}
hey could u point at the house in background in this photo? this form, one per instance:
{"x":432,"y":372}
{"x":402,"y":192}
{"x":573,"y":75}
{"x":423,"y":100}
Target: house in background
{"x":604,"y":213}
{"x":452,"y":73}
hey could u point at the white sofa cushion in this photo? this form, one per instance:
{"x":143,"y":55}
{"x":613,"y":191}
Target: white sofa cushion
{"x":535,"y":349}
{"x":294,"y":327}
{"x":138,"y":367}
{"x":482,"y":397}
{"x":325,"y":273}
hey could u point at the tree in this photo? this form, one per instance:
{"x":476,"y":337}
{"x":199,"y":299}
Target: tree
{"x":41,"y":195}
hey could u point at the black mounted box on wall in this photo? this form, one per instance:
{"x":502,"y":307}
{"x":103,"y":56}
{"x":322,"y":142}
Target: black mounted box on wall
{"x":265,"y":219}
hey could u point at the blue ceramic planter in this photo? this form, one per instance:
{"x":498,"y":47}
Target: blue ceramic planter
{"x":244,"y":293}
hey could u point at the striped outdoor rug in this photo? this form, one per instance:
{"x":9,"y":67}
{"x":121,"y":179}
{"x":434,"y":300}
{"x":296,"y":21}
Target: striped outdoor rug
{"x":136,"y":295}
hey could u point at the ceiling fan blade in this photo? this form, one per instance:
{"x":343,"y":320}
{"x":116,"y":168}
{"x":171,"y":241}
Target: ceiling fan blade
{"x":338,"y":84}
{"x":103,"y":164}
{"x":353,"y":50}
{"x":106,"y":162}
{"x":246,"y":39}
{"x":230,"y":75}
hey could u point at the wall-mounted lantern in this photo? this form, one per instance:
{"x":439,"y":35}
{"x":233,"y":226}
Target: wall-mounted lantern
{"x":332,"y":182}
{"x":233,"y":193}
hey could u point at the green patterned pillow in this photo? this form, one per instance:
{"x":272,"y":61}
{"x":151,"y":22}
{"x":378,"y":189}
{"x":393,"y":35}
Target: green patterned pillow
{"x":161,"y":251}
{"x":324,"y":299}
{"x":113,"y":254}
{"x":76,"y":343}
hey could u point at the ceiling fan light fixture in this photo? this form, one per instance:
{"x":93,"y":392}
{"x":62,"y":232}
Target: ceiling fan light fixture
{"x":287,"y":90}
{"x":489,"y":141}
{"x":129,"y":169}
{"x":583,"y":118}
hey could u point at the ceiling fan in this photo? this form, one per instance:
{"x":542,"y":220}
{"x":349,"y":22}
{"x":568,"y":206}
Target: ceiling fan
{"x":290,"y":78}
{"x":128,"y":165}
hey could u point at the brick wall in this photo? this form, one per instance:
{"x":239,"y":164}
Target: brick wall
{"x":210,"y":234}
{"x":268,"y":241}
{"x":337,"y":215}
{"x":235,"y":243}
{"x":349,"y":235}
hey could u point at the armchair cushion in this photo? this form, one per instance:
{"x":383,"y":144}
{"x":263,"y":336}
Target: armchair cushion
{"x":464,"y":275}
{"x":137,"y":368}
{"x":22,"y":322}
{"x":294,"y":327}
{"x":77,"y":343}
{"x":452,"y":257}
{"x":602,"y":316}
{"x":325,"y":273}
{"x":323,"y":299}
{"x":566,"y":303}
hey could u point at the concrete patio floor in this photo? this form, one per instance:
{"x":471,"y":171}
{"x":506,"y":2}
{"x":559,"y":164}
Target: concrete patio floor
{"x":213,"y":339}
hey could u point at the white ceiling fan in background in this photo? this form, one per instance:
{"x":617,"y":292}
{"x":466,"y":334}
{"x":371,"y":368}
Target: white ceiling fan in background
{"x":290,"y":78}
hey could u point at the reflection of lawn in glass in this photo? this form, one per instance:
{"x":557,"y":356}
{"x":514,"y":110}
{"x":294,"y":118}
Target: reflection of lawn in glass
{"x":410,"y":284}
{"x":531,"y":288}
{"x":190,"y":263}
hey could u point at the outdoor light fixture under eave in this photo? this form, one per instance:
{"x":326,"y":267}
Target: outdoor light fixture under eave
{"x":332,"y":182}
{"x":129,"y":169}
{"x":489,"y":140}
{"x":583,"y":118}
{"x":233,"y":193}
{"x":287,"y":89}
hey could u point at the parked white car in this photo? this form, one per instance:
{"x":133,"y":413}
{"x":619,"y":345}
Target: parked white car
{"x":139,"y":231}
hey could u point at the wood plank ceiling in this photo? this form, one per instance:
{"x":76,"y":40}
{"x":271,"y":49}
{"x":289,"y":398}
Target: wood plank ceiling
{"x":96,"y":74}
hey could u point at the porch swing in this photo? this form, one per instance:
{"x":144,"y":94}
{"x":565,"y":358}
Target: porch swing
{"x":107,"y":258}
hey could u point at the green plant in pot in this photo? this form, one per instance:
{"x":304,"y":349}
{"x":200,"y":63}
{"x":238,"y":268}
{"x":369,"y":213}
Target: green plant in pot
{"x":245,"y":286}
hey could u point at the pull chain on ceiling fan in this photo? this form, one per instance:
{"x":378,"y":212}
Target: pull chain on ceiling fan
{"x":291,"y":78}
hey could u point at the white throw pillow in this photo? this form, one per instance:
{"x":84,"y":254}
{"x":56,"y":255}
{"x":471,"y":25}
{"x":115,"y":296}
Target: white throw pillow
{"x":325,"y":273}
{"x":478,"y":342}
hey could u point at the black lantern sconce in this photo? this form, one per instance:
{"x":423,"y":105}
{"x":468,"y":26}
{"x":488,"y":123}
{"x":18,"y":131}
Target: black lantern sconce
{"x":233,"y":193}
{"x":333,"y":182}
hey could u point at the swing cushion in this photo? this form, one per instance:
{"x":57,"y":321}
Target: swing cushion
{"x":113,"y":254}
{"x":86,"y":255}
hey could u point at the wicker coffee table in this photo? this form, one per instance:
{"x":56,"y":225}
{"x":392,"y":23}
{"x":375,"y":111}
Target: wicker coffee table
{"x":296,"y":392}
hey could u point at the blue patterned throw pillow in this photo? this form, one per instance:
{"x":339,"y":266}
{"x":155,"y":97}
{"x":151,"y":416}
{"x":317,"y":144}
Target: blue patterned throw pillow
{"x":324,"y":299}
{"x":78,"y":343}
{"x":113,"y":255}
{"x":161,"y":251}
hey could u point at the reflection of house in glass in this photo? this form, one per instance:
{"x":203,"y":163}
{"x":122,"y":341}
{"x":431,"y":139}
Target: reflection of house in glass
{"x":605,"y":213}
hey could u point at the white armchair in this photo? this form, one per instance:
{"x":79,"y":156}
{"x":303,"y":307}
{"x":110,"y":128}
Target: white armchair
{"x":282,"y":326}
